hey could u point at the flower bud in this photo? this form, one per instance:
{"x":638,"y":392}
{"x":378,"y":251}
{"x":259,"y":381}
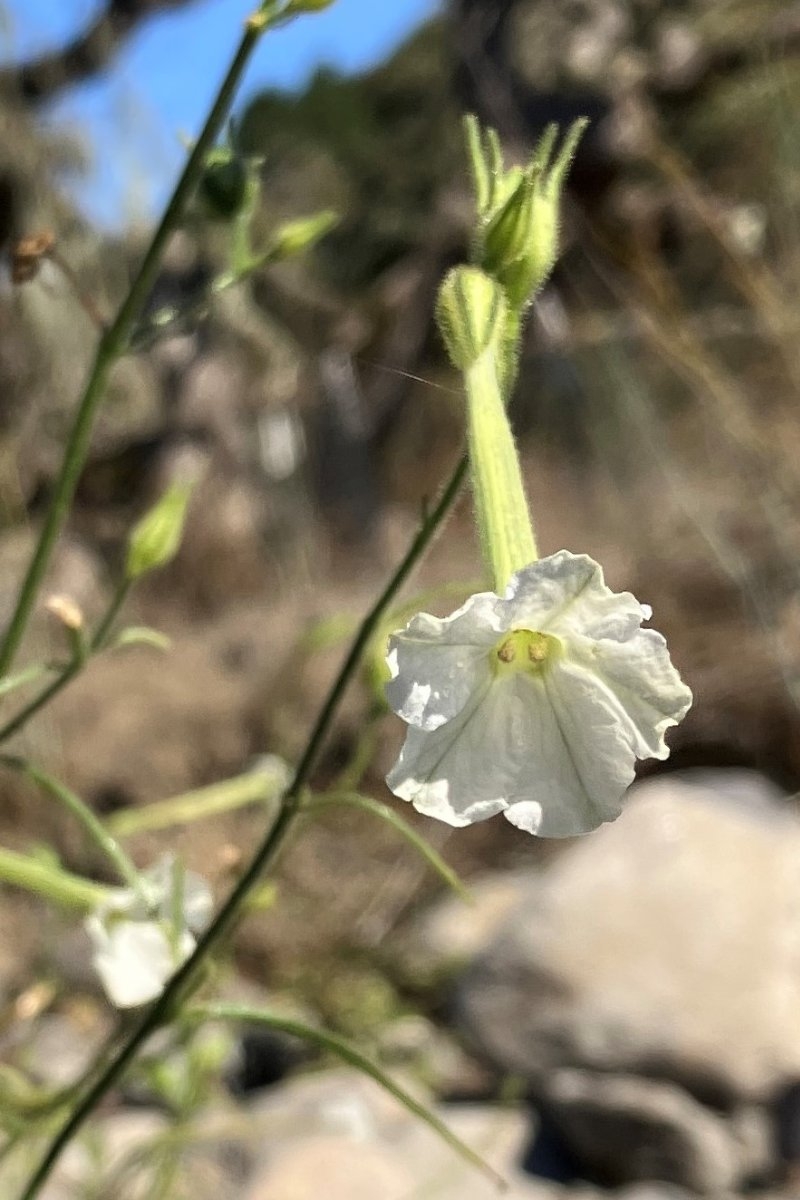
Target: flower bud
{"x":155,"y":539}
{"x":295,"y":237}
{"x":224,"y":185}
{"x":519,"y":245}
{"x":28,"y":253}
{"x":65,"y":611}
{"x":471,"y":314}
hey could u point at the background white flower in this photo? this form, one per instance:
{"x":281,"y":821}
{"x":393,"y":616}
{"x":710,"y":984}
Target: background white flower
{"x":535,"y":704}
{"x":138,"y":943}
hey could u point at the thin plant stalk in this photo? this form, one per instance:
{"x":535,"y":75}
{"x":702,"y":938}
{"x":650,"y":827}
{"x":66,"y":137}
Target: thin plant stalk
{"x":49,"y":882}
{"x":113,"y":343}
{"x":95,"y":829}
{"x":324,"y":1039}
{"x":253,"y":787}
{"x":72,"y":668}
{"x":383,"y":812}
{"x":163,"y":1007}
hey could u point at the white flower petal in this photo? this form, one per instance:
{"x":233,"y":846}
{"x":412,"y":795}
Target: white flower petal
{"x":197,"y":899}
{"x":436,"y":771}
{"x":649,"y":693}
{"x":565,"y":594}
{"x":134,"y":959}
{"x":553,"y":745}
{"x":516,"y":750}
{"x":437,"y":663}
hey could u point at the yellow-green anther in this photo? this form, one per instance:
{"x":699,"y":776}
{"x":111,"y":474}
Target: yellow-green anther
{"x":471,"y":314}
{"x":155,"y":539}
{"x":526,"y":651}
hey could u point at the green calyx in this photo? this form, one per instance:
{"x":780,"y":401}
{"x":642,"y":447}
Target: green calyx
{"x":526,"y":651}
{"x":516,"y":241}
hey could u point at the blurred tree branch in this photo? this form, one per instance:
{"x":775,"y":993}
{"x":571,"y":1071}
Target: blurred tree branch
{"x":85,"y":55}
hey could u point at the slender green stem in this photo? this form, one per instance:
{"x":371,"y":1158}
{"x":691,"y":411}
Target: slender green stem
{"x":333,"y":1044}
{"x":384,"y":813}
{"x":101,"y":634}
{"x":83,"y":814}
{"x":250,"y":788}
{"x":73,"y":667}
{"x":72,"y":891}
{"x":114,"y":341}
{"x":161,"y":1009}
{"x":42,"y":699}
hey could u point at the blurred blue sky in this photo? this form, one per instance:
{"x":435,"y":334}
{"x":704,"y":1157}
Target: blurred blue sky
{"x":160,"y":86}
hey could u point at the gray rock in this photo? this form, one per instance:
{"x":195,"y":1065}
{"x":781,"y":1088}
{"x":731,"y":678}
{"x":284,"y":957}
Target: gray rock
{"x":625,"y":1127}
{"x":341,"y":1128}
{"x":665,"y":944}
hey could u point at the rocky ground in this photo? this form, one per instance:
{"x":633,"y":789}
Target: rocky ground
{"x":621,"y":1020}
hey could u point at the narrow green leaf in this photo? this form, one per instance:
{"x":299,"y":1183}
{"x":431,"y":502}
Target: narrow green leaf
{"x":384,"y":813}
{"x":326,"y":1040}
{"x":141,"y":635}
{"x":11,"y":682}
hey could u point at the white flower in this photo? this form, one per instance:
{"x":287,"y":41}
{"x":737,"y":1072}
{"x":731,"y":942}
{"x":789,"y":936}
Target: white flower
{"x":536,"y":704}
{"x":141,"y":939}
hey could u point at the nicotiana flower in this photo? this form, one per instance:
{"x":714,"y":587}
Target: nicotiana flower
{"x":535,"y":704}
{"x":141,"y":938}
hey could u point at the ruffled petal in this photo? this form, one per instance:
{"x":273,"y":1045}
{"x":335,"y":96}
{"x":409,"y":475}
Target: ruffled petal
{"x":585,"y":759}
{"x":513,"y":751}
{"x":565,"y":594}
{"x":638,"y":677}
{"x":438,"y":663}
{"x":448,"y":773}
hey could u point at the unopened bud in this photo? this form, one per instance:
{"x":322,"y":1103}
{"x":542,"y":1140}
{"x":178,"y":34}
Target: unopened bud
{"x":471,"y":313}
{"x":155,"y":539}
{"x":66,"y":612}
{"x":27,"y":255}
{"x":224,"y":184}
{"x":520,"y":238}
{"x":295,"y":237}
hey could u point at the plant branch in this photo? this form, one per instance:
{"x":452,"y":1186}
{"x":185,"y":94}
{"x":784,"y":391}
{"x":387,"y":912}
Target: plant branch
{"x":114,"y":342}
{"x":323,"y":1039}
{"x":161,"y":1009}
{"x":83,"y":814}
{"x":72,"y":668}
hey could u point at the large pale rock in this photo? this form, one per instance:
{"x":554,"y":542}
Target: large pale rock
{"x":667,"y":943}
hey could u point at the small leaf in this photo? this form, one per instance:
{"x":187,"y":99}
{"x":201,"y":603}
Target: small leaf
{"x":10,"y":683}
{"x":141,"y":635}
{"x":384,"y":813}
